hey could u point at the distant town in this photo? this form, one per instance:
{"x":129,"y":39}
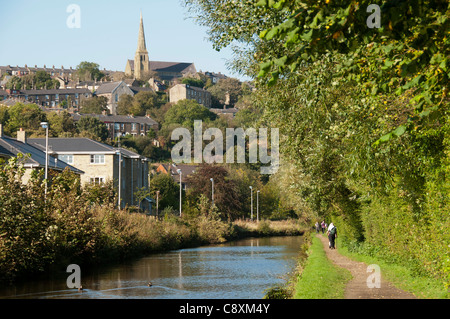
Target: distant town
{"x":103,"y":110}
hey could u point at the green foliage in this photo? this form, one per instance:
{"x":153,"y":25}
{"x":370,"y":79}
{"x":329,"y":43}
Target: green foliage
{"x":39,"y":81}
{"x":168,"y":190}
{"x":193,"y":82}
{"x":184,"y":112}
{"x":87,"y":71}
{"x":143,"y":103}
{"x":61,"y":124}
{"x":226,"y":195}
{"x":226,"y":91}
{"x":363,"y":114}
{"x":94,"y":105}
{"x":26,"y":116}
{"x":93,"y":128}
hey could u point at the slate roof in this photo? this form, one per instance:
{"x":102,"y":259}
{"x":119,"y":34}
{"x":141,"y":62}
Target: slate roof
{"x":186,"y":170}
{"x":162,"y":66}
{"x":73,"y":145}
{"x":118,"y":118}
{"x":12,"y":147}
{"x":80,"y":145}
{"x":107,"y":87}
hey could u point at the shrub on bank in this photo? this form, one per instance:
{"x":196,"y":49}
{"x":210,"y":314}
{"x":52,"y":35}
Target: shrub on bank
{"x":69,"y":225}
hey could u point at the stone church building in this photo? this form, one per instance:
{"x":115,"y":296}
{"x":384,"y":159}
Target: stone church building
{"x":141,"y":66}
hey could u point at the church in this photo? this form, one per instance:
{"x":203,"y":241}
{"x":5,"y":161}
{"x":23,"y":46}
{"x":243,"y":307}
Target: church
{"x":141,"y":67}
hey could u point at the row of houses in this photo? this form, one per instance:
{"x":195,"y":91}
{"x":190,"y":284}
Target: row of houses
{"x":93,"y":161}
{"x":72,"y":98}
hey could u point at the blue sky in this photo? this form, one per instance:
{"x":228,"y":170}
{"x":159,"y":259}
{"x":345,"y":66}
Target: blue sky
{"x":36,"y":33}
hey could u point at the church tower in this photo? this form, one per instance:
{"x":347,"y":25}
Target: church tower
{"x":141,"y":63}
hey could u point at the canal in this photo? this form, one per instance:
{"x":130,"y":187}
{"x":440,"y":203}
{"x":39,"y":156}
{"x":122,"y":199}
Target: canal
{"x":241,"y":269}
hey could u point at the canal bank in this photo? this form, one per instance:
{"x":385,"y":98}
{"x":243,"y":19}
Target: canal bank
{"x":116,"y":236}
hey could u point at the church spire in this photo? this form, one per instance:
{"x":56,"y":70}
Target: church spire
{"x":141,"y":39}
{"x":141,"y":63}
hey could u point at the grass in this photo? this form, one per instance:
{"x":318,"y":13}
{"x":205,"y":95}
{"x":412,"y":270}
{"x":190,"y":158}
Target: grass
{"x":402,"y":277}
{"x":321,"y":279}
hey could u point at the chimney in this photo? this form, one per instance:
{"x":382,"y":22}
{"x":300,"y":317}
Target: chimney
{"x":22,"y":136}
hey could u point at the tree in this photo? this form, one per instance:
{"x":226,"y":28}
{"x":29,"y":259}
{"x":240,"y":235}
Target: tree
{"x":61,"y":124}
{"x":184,"y":112}
{"x":26,"y":116}
{"x":89,"y":71}
{"x":226,"y":91}
{"x":125,"y":104}
{"x":226,"y":196}
{"x":14,"y":83}
{"x":94,"y":105}
{"x":408,"y":51}
{"x":43,"y":80}
{"x":138,"y":105}
{"x":168,"y":190}
{"x":193,"y":82}
{"x":93,"y":128}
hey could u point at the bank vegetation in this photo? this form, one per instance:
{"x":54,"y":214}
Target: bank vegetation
{"x":75,"y":224}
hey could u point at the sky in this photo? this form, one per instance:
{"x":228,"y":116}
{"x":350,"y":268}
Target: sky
{"x":50,"y":32}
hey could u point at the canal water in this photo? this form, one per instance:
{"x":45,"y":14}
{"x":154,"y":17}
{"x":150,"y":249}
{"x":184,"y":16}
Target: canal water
{"x":241,"y":269}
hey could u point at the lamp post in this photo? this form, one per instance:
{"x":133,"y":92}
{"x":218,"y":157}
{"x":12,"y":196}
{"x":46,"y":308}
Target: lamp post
{"x":181,"y":188}
{"x":257,"y":205}
{"x":251,"y":206}
{"x":212,"y":194}
{"x":157,"y":203}
{"x":45,"y":125}
{"x":118,"y":152}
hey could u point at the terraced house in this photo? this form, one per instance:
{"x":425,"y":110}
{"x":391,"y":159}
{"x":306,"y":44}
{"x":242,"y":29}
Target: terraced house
{"x":101,"y":163}
{"x":55,"y":98}
{"x":33,"y":157}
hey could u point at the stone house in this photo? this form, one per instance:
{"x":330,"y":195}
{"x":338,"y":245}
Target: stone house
{"x":51,"y":98}
{"x":34,"y":156}
{"x":100,"y":163}
{"x":121,"y":125}
{"x":112,"y":91}
{"x":188,"y":92}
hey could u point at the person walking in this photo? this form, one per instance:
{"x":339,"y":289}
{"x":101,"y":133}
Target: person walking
{"x":323,"y":227}
{"x":332,"y":235}
{"x":317,"y":225}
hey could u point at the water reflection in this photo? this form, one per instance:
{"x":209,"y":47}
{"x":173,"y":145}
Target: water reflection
{"x":241,"y":269}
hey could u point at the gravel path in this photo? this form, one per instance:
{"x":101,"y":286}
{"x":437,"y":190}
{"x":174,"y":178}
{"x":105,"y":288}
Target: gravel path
{"x":358,"y":286}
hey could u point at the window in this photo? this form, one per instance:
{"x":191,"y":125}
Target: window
{"x":66,"y":158}
{"x":97,"y":180}
{"x":133,"y":127}
{"x":116,"y":126}
{"x":97,"y":159}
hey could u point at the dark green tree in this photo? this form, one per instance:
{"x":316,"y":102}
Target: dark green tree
{"x":94,"y":105}
{"x":92,"y":127}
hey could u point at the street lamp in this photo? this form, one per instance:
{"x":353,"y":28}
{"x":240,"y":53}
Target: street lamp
{"x":181,"y":189}
{"x":257,"y":205}
{"x":212,"y":187}
{"x":45,"y":125}
{"x":251,"y":207}
{"x":118,"y":152}
{"x":157,"y":203}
